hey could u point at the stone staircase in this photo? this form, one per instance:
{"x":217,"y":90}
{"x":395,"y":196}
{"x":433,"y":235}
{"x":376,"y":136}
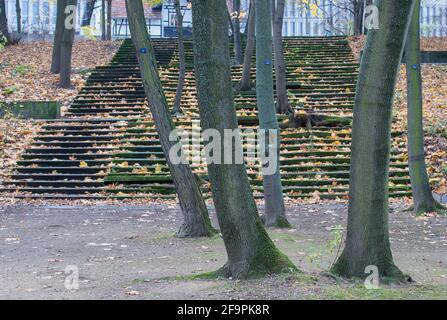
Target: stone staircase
{"x":107,"y":146}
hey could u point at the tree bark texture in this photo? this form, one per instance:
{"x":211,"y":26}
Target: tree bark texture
{"x":420,"y":185}
{"x":60,"y":20}
{"x":250,"y":251}
{"x":181,"y":56}
{"x":282,"y":99}
{"x":273,"y":195}
{"x":246,"y":83}
{"x":196,"y":219}
{"x":367,"y":240}
{"x":238,"y":56}
{"x":67,"y":46}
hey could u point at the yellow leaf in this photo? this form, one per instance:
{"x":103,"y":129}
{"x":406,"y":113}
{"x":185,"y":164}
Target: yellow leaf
{"x":83,"y":164}
{"x":314,"y":10}
{"x":142,"y":170}
{"x":25,"y":132}
{"x":124,"y":164}
{"x":158,"y":168}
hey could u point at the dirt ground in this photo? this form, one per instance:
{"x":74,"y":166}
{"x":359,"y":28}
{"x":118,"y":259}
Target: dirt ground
{"x":129,"y":252}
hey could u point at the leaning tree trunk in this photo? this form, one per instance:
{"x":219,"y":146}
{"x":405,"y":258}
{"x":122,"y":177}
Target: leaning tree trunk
{"x":250,"y":250}
{"x":88,"y":13}
{"x":273,"y":195}
{"x":181,"y":55}
{"x":238,"y":56}
{"x":367,"y":240}
{"x":60,"y":20}
{"x":18,"y":17}
{"x":197,"y":222}
{"x":422,"y":193}
{"x":67,"y":43}
{"x":4,"y":21}
{"x":282,"y":100}
{"x":109,"y":20}
{"x":245,"y":83}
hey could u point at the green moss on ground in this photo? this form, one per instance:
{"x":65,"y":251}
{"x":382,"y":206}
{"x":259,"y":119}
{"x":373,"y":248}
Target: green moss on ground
{"x":410,"y":292}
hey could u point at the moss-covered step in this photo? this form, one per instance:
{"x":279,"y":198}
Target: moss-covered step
{"x":31,"y":109}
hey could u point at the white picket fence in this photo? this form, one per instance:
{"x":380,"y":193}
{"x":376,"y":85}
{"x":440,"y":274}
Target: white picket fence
{"x":39,"y":16}
{"x":329,"y":19}
{"x":434,"y":19}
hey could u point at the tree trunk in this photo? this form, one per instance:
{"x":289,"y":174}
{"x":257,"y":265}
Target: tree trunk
{"x":109,"y":20}
{"x":238,"y":56}
{"x":181,"y":55}
{"x":422,"y":193}
{"x":245,"y":33}
{"x":273,"y":195}
{"x":18,"y":17}
{"x":367,"y":240}
{"x":282,"y":100}
{"x":4,"y":21}
{"x":197,"y":222}
{"x":250,"y":251}
{"x":88,"y":13}
{"x":103,"y":20}
{"x":67,"y":43}
{"x":249,"y":49}
{"x":358,"y":8}
{"x":230,"y":22}
{"x":60,"y":20}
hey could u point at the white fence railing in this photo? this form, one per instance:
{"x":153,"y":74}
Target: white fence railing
{"x":328,"y":17}
{"x":434,"y":19}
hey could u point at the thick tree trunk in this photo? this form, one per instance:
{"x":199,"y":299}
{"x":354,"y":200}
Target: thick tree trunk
{"x":181,"y":56}
{"x":282,"y":100}
{"x":4,"y":21}
{"x":109,"y":20}
{"x":197,"y":222}
{"x":18,"y":17}
{"x":367,"y":240}
{"x":250,"y":251}
{"x":60,"y":20}
{"x":67,"y":44}
{"x":103,"y":20}
{"x":246,"y":83}
{"x":273,"y":195}
{"x":238,"y":56}
{"x":422,"y":193}
{"x":88,"y":13}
